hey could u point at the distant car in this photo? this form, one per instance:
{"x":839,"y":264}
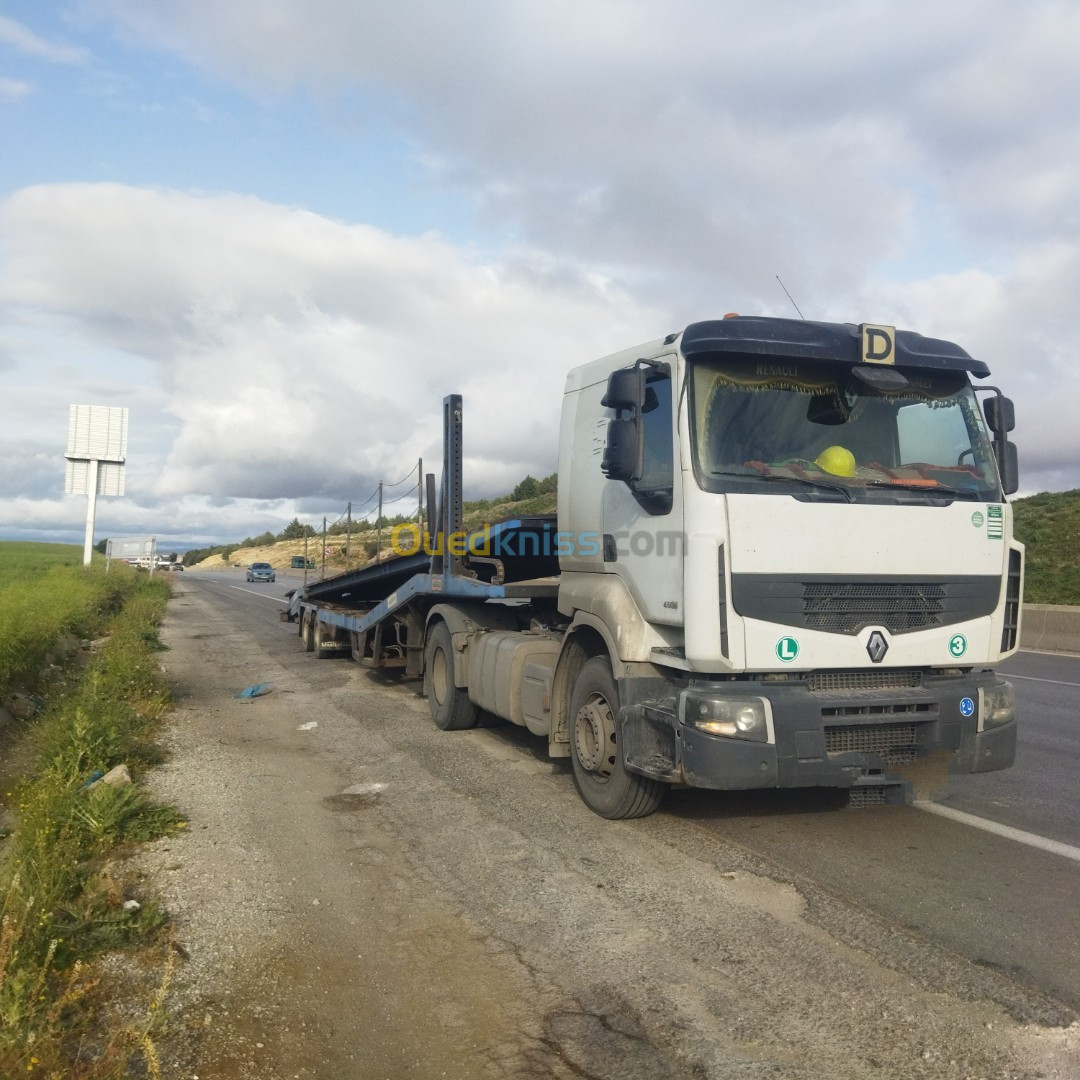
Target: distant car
{"x":177,"y":566}
{"x":261,"y":571}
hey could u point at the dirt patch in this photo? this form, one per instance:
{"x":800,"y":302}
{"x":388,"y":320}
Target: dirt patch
{"x":312,"y":948}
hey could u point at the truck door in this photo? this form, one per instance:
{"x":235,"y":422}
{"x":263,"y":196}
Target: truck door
{"x":642,"y":519}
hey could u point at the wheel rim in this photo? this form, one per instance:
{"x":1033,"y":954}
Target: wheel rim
{"x":594,"y":737}
{"x":439,"y":675}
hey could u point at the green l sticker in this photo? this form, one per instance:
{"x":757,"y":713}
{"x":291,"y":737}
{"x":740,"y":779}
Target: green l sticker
{"x":787,"y":648}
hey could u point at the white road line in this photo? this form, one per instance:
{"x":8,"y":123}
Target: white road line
{"x":1007,"y":831}
{"x":255,"y":592}
{"x":1031,"y":678}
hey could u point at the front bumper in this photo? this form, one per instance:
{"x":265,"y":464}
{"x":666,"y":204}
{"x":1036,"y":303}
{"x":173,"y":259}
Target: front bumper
{"x":815,"y":738}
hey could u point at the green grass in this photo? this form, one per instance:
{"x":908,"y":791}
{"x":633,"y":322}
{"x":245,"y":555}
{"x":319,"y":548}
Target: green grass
{"x":45,"y":615}
{"x":1049,"y":525}
{"x":62,"y":877}
{"x":24,"y":561}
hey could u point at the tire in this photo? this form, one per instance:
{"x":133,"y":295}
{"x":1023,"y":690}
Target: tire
{"x":451,"y":708}
{"x":308,"y":632}
{"x":321,"y":633}
{"x":601,"y":778}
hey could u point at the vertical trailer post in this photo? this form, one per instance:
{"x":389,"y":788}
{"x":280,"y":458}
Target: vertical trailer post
{"x":452,"y":482}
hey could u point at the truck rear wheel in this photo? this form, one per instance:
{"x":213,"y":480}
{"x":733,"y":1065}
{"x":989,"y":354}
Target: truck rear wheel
{"x":451,"y":708}
{"x":307,"y":630}
{"x":601,"y":778}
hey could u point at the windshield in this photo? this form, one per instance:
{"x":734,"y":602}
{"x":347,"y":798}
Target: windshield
{"x":831,"y":434}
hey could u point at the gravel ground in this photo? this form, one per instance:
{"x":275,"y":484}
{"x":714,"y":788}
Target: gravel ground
{"x":369,"y":897}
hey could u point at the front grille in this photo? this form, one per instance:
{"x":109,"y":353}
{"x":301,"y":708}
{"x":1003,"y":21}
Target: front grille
{"x":873,"y":714}
{"x":836,"y":682}
{"x":893,"y":743}
{"x":844,"y":608}
{"x":846,"y":605}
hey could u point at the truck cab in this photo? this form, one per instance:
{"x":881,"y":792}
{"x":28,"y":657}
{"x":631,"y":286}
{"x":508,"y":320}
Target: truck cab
{"x":792,"y":540}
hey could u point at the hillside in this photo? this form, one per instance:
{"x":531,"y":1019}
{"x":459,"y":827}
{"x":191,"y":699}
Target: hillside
{"x":362,"y":540}
{"x":1049,"y":524}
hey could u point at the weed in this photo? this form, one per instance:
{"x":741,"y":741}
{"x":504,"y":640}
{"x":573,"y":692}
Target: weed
{"x":63,"y":889}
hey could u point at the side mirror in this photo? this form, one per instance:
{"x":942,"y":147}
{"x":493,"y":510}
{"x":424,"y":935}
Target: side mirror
{"x":623,"y":451}
{"x":1008,"y":465}
{"x":1000,"y":414}
{"x":625,"y":389}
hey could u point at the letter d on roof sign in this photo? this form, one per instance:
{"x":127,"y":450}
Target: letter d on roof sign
{"x":878,"y":344}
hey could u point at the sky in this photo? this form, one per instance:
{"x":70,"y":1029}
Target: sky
{"x":281,"y":231}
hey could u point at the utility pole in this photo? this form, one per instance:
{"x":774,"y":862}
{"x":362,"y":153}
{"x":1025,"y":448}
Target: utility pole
{"x":348,"y":532}
{"x":378,"y":528}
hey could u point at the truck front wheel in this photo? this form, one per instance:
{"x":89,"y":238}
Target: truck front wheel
{"x":451,"y":708}
{"x":605,"y":785}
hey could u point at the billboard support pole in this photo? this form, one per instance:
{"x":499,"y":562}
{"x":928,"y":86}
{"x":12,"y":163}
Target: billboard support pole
{"x":91,"y":509}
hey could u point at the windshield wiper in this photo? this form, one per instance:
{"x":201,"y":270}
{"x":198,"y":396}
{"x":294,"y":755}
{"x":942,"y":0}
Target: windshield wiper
{"x":926,"y":489}
{"x":821,"y":485}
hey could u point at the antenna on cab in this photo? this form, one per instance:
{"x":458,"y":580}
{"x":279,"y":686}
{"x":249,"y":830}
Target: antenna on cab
{"x":791,"y":298}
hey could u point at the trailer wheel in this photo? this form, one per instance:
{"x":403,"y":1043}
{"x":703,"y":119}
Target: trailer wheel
{"x":308,"y":631}
{"x":322,"y":634}
{"x":451,"y":708}
{"x":602,"y":780}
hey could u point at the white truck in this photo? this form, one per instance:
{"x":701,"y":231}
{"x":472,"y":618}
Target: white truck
{"x":783,"y":557}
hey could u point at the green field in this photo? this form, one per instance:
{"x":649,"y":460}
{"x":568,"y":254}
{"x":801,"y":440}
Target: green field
{"x":47,"y":599}
{"x":20,"y":559}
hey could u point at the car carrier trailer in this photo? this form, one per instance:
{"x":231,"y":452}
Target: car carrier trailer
{"x":782,"y":557}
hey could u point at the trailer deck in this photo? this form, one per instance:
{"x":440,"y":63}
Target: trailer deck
{"x":507,"y":561}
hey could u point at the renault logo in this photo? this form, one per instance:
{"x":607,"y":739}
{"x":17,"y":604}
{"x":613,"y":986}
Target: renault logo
{"x":877,"y":647}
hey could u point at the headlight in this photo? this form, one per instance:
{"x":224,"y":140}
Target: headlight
{"x":737,"y":718}
{"x":997,"y":705}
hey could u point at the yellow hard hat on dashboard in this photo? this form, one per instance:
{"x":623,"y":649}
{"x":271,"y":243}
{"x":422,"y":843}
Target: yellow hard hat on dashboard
{"x":837,"y":460}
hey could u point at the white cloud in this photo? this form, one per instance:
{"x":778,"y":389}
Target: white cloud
{"x":25,"y":41}
{"x":716,"y":144}
{"x":13,"y":89}
{"x":294,"y":357}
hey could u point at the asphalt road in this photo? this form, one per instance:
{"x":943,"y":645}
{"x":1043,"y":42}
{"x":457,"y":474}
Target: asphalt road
{"x":959,"y":912}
